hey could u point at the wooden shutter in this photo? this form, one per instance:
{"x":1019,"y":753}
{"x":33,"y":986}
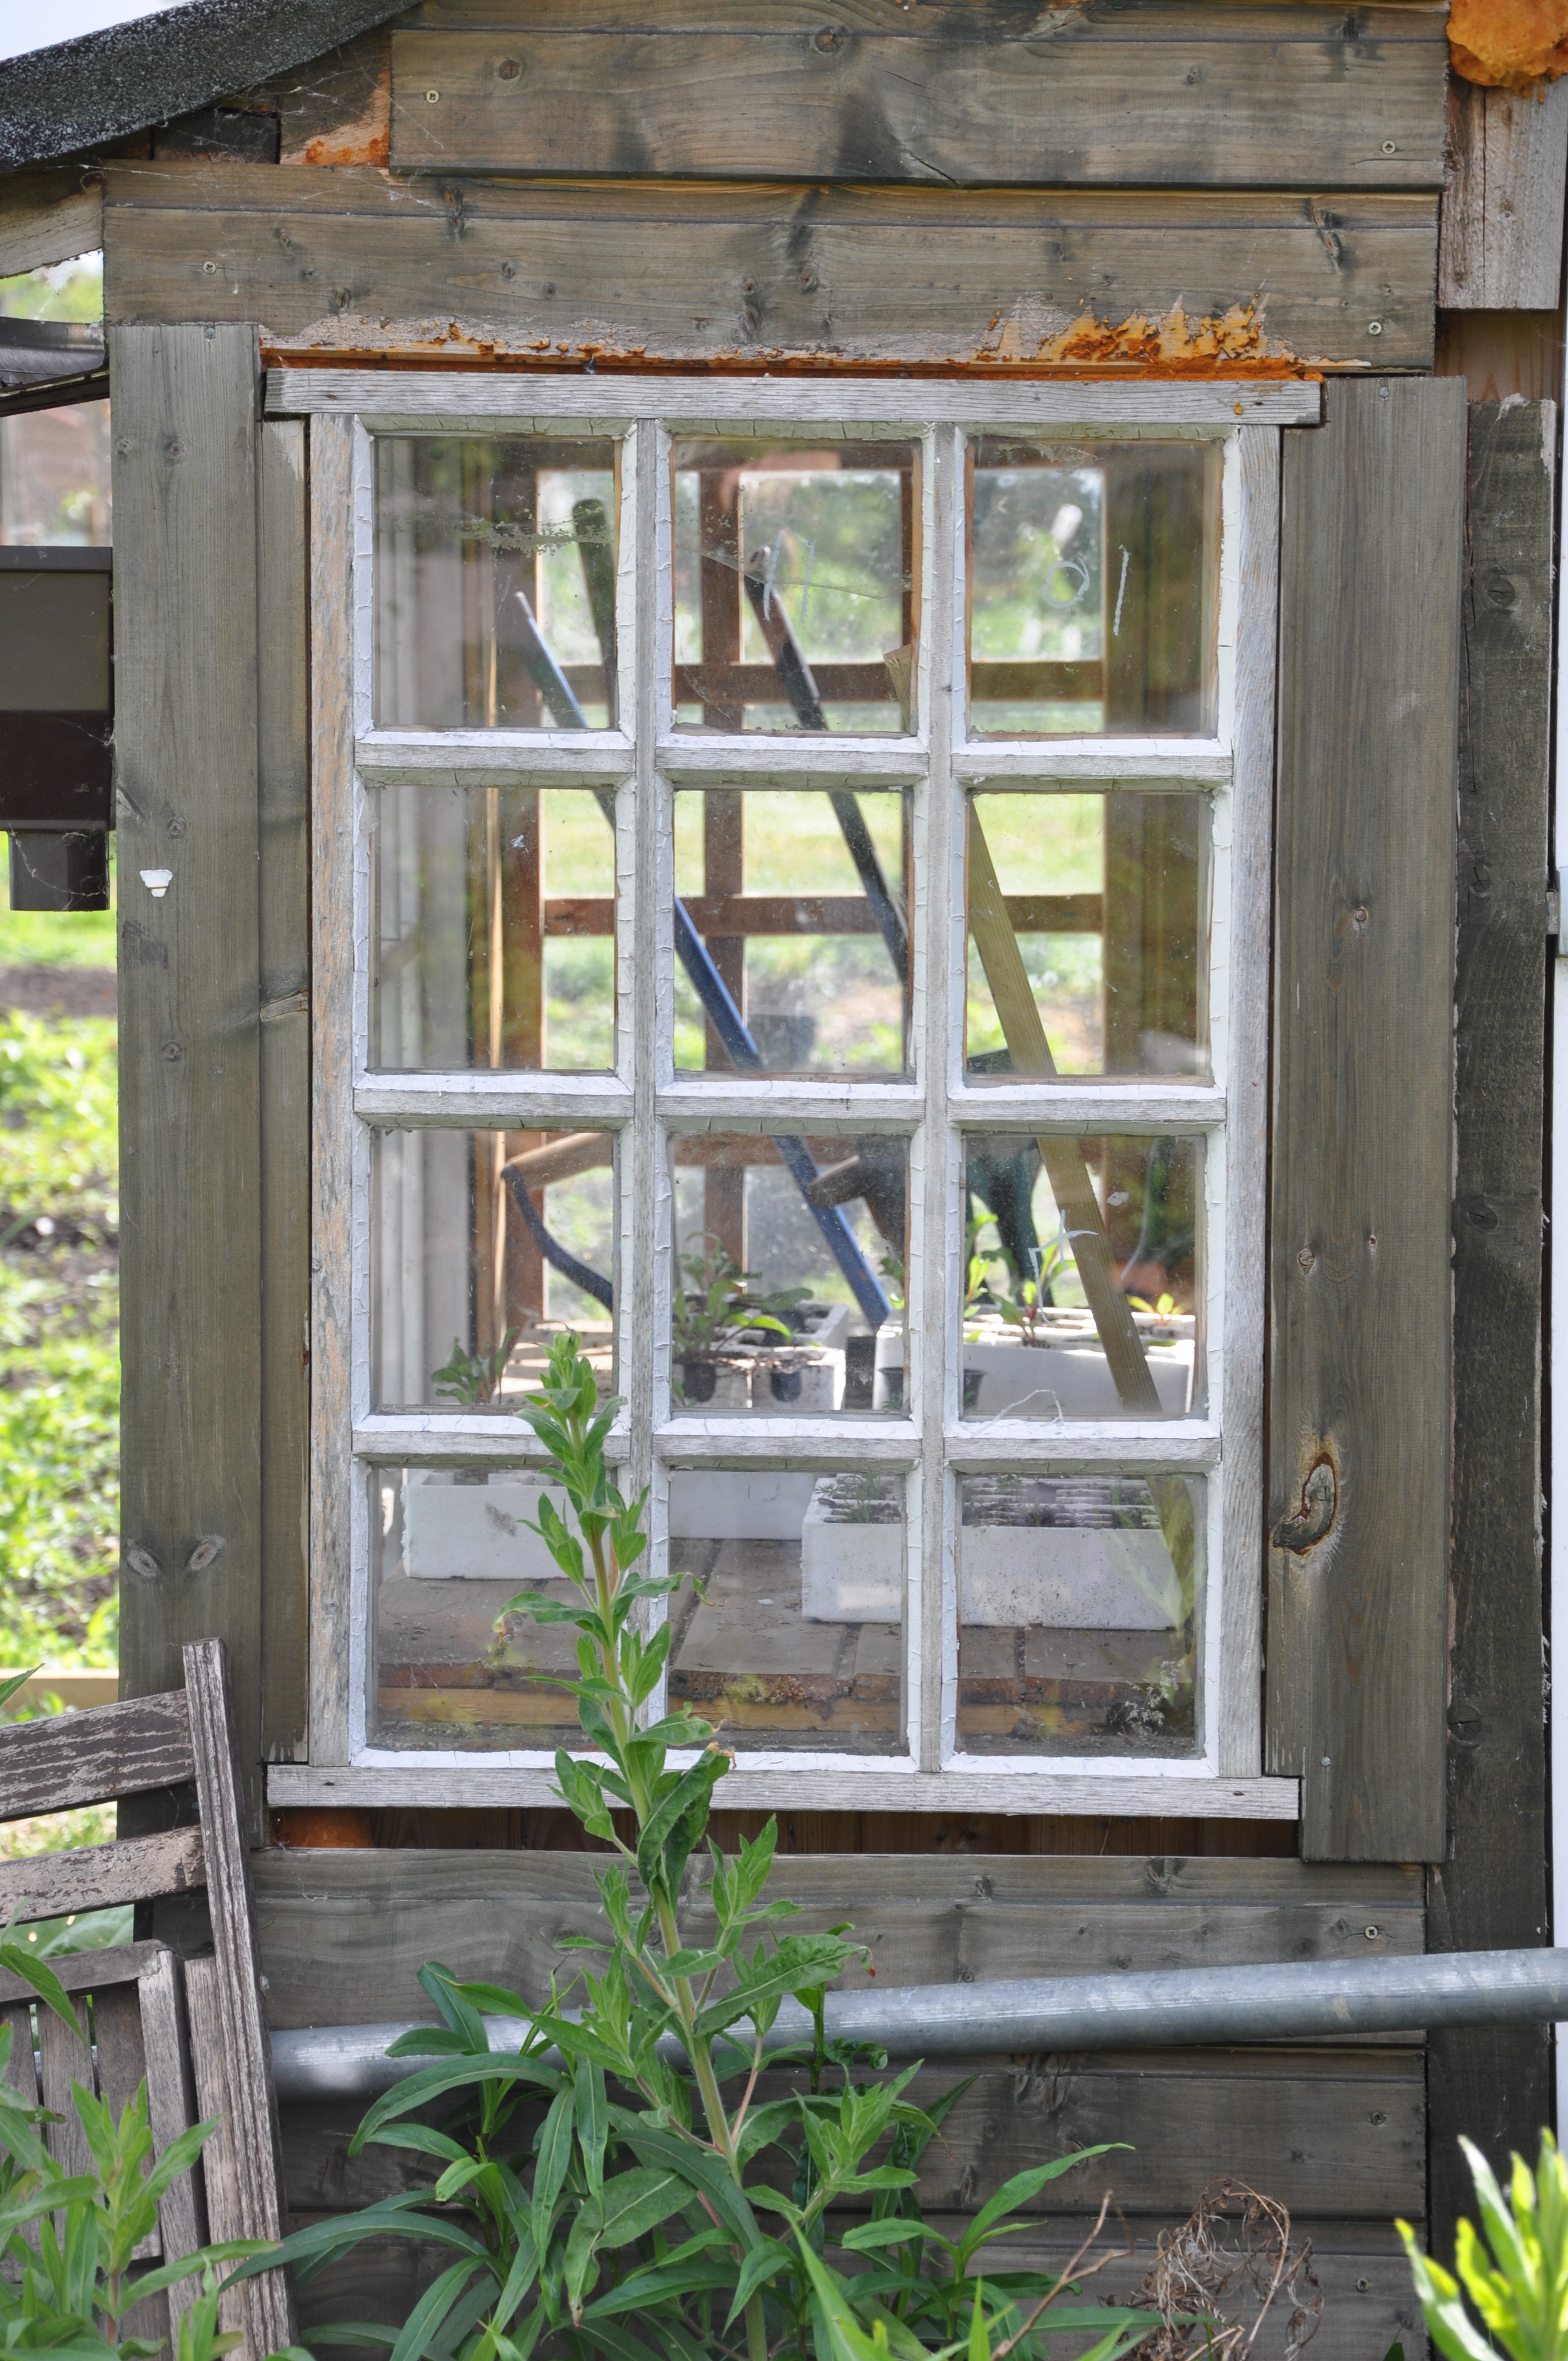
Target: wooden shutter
{"x":1362,"y":1152}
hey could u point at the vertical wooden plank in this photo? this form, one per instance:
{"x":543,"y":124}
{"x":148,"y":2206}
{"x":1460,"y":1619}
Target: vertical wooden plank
{"x":1494,"y":2083}
{"x":332,"y":1070}
{"x":1372,"y":545}
{"x":21,"y":2067}
{"x":226,"y":2209}
{"x":63,"y":2060}
{"x":117,"y":2047}
{"x":247,"y":2057}
{"x":172,"y":2109}
{"x":185,"y":748}
{"x":283,"y":780}
{"x":1501,"y":236}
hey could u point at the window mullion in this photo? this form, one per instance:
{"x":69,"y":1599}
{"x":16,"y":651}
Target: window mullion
{"x":932,"y":1631}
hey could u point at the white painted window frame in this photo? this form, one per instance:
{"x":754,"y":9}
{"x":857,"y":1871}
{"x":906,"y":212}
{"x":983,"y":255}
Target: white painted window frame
{"x":646,"y":1098}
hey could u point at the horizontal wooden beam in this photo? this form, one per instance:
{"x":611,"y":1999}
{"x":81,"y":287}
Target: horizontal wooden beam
{"x":46,"y":216}
{"x":88,"y":1970}
{"x":1169,"y":94}
{"x":67,"y":1760}
{"x":411,"y":1782}
{"x":102,"y":1877}
{"x":351,"y":262}
{"x":816,"y":914}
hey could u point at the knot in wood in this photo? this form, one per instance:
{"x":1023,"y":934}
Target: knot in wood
{"x":1311,"y":1522}
{"x":829,"y":39}
{"x":508,"y":70}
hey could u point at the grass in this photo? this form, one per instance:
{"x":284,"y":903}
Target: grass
{"x":58,"y":1337}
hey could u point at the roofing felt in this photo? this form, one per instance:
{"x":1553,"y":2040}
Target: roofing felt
{"x":58,"y":100}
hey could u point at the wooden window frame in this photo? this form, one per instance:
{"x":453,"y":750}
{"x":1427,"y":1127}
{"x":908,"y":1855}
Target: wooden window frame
{"x":645,"y":762}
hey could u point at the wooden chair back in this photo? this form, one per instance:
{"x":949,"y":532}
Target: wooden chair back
{"x":196,"y":2027}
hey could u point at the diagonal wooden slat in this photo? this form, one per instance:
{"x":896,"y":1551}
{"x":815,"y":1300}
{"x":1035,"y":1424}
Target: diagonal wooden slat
{"x":56,"y":1764}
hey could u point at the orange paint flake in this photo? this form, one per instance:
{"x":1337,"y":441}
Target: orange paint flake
{"x":1220,"y":339}
{"x":1509,"y":44}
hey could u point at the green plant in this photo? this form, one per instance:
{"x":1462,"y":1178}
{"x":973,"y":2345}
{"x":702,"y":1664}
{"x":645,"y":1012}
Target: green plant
{"x":1516,"y":2275}
{"x":718,"y":1301}
{"x":621,"y":2181}
{"x":67,"y":2285}
{"x":471,"y":1378}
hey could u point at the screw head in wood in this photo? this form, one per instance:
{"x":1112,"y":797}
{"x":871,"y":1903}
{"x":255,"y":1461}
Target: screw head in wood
{"x":431,"y":97}
{"x":1390,"y":147}
{"x":1375,"y":327}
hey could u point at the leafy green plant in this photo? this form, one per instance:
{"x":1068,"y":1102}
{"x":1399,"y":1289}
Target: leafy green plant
{"x":718,"y":1301}
{"x":1515,"y":2271}
{"x":622,"y":2180}
{"x":472,"y":1378}
{"x":67,"y":2286}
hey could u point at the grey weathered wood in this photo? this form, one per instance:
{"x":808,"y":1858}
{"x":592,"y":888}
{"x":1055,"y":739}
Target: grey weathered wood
{"x":284,"y":761}
{"x":331,"y":1473}
{"x":1308,"y":101}
{"x":1500,"y":248}
{"x":1494,"y":2084}
{"x":120,"y":2061}
{"x":48,"y":216}
{"x":81,"y":1972}
{"x":185,"y":624}
{"x":565,"y":270}
{"x":99,"y":1877}
{"x":1359,"y":1485}
{"x":222,"y":2157}
{"x":21,"y":2070}
{"x":62,"y":2061}
{"x":172,"y":2109}
{"x":342,"y":1935}
{"x":252,"y":2115}
{"x":62,"y":1760}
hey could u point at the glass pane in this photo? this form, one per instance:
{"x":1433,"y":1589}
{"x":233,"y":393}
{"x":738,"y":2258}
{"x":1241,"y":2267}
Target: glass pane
{"x":789,"y":1298}
{"x":787,"y":1633}
{"x":450,"y":1547}
{"x":1078,"y":1609}
{"x":800,"y":899}
{"x":796,"y":588}
{"x":495,"y":582}
{"x":494,"y":929}
{"x":1083,"y":1287}
{"x":1088,"y":951}
{"x":1091,"y":588}
{"x":484,"y":1244}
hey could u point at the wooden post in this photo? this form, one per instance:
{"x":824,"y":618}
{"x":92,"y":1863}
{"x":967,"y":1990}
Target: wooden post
{"x":1371,"y":556}
{"x":1493,"y":2084}
{"x":191,"y":1151}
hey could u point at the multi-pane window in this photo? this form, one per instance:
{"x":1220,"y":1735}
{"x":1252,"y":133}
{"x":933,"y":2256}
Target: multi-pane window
{"x":809,"y":908}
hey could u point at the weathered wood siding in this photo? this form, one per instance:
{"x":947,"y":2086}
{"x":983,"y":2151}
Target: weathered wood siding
{"x":1166,"y":94}
{"x":1336,"y":2133}
{"x":1494,"y":2083}
{"x":358,"y":260}
{"x":1373,"y":538}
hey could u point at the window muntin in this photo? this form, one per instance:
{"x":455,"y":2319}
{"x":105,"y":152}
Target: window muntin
{"x":495,"y":561}
{"x":1091,"y":582}
{"x":922,"y":1436}
{"x":795,"y":589}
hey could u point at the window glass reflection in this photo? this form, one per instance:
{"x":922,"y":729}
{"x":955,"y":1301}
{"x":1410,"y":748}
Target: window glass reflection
{"x":483,"y":1245}
{"x":495,"y":582}
{"x":1078,"y":1608}
{"x":1092,"y":585}
{"x":795,"y":585}
{"x":787,"y":1631}
{"x":799,"y":899}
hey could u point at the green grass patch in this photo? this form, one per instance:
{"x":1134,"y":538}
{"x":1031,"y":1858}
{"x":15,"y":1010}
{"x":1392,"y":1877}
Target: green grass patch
{"x":59,"y":1368}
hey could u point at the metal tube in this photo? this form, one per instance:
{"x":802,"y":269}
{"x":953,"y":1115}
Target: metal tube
{"x":1203,"y":2006}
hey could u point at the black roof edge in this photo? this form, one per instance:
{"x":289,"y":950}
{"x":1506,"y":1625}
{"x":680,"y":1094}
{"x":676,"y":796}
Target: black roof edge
{"x":56,"y":102}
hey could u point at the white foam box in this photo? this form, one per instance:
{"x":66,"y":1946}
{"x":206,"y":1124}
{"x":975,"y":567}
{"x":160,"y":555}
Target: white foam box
{"x":477,"y":1533}
{"x":1063,"y":1578}
{"x":1070,"y":1380}
{"x":731,"y":1504}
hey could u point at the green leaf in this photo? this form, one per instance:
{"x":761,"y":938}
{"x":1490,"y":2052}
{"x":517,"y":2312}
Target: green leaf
{"x":1020,"y":2188}
{"x":592,"y":2121}
{"x":637,"y":2202}
{"x":764,"y":2263}
{"x":550,"y":2174}
{"x":26,"y":1963}
{"x":867,"y":2236}
{"x":416,"y":2090}
{"x":422,"y":2327}
{"x":676,"y":1824}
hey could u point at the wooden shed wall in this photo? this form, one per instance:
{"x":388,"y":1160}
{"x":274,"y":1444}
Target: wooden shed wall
{"x":748,"y":231}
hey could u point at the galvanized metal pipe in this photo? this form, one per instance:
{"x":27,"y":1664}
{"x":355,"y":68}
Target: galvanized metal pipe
{"x":1206,"y":2006}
